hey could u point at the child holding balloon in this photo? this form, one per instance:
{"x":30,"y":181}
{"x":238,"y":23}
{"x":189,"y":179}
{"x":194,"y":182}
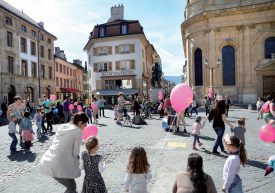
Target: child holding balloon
{"x":93,"y":165}
{"x":138,"y":171}
{"x":95,"y":108}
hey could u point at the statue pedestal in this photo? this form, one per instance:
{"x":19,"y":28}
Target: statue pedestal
{"x":154,"y":94}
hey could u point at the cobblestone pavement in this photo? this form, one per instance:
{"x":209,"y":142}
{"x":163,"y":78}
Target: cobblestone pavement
{"x":167,"y":154}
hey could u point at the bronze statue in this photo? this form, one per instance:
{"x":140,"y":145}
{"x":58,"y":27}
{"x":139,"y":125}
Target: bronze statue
{"x":156,"y":75}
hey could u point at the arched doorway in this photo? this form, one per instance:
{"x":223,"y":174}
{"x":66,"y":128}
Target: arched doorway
{"x":47,"y":92}
{"x":29,"y":94}
{"x":11,"y":94}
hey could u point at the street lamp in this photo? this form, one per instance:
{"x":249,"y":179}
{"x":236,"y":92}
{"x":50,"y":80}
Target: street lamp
{"x":211,"y":87}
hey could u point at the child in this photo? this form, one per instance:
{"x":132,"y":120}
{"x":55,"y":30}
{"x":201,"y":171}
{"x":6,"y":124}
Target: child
{"x":44,"y":130}
{"x":237,"y":156}
{"x":165,"y":125}
{"x":12,"y":132}
{"x":89,"y":113}
{"x":240,"y":130}
{"x":38,"y":121}
{"x":138,"y":171}
{"x":93,"y":166}
{"x":27,"y":132}
{"x":196,"y":130}
{"x":95,"y":110}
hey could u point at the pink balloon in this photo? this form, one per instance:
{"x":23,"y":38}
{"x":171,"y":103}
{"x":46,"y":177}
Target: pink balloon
{"x":89,"y":131}
{"x":71,"y":107}
{"x":75,"y":103}
{"x":181,"y":97}
{"x":52,"y":97}
{"x":92,"y":105}
{"x":267,"y":133}
{"x":79,"y":108}
{"x":160,"y":95}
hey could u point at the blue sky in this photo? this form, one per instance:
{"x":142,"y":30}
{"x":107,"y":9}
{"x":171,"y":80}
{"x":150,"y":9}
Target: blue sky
{"x":71,"y":21}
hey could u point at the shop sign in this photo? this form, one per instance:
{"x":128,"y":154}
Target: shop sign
{"x":121,"y":73}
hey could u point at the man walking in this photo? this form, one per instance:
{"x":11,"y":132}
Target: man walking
{"x":101,"y":103}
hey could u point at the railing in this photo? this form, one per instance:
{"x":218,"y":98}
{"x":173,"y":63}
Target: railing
{"x":266,"y":61}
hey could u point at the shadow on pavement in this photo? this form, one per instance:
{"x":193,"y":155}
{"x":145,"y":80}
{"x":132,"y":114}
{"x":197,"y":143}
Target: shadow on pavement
{"x":51,"y":133}
{"x":257,"y":164}
{"x":43,"y":139}
{"x":101,"y":125}
{"x":210,"y":153}
{"x":22,"y":156}
{"x":207,"y":138}
{"x":182,"y":134}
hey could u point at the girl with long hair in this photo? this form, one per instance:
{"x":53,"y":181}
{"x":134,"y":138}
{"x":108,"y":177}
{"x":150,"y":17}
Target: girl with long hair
{"x":194,"y":179}
{"x":138,"y":172}
{"x":237,"y":156}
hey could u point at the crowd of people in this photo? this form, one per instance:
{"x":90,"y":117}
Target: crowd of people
{"x":66,"y":145}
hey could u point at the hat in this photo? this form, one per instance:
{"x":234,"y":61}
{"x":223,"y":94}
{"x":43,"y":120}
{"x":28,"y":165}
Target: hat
{"x":12,"y":116}
{"x":17,"y":97}
{"x":198,"y":118}
{"x":120,"y":93}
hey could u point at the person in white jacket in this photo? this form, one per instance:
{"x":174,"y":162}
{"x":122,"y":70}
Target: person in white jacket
{"x":61,"y":160}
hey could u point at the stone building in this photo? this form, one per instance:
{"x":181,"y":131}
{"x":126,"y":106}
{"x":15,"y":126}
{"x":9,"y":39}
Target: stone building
{"x":120,"y":57}
{"x":26,"y":56}
{"x":236,"y":39}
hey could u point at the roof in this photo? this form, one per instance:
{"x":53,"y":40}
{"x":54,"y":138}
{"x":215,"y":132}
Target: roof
{"x":126,"y":92}
{"x":20,"y":14}
{"x":116,"y":22}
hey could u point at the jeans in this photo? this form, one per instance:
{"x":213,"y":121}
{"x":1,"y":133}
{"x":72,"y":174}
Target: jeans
{"x":236,"y":186}
{"x":196,"y":139}
{"x":14,"y":142}
{"x":101,"y":109}
{"x":66,"y":116}
{"x":68,"y":183}
{"x":219,"y":131}
{"x":194,"y":109}
{"x":49,"y":121}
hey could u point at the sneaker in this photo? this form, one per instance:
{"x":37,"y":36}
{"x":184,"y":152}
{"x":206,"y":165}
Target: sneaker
{"x":118,"y":122}
{"x":200,"y":144}
{"x":178,"y":129}
{"x":216,"y":152}
{"x":194,"y":148}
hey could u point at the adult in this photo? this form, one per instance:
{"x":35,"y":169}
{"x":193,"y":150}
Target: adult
{"x":259,"y":105}
{"x":101,"y":104}
{"x":194,"y":179}
{"x":28,"y":106}
{"x":4,"y":109}
{"x":268,"y":109}
{"x":161,"y":108}
{"x":168,"y":105}
{"x":61,"y":160}
{"x":113,"y":100}
{"x":181,"y":119}
{"x":66,"y":109}
{"x":206,"y":103}
{"x":136,"y":106}
{"x":48,"y":112}
{"x":194,"y":107}
{"x":120,"y":106}
{"x":219,"y":118}
{"x":227,"y":105}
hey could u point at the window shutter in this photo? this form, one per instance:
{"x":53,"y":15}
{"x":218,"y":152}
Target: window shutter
{"x":117,"y":49}
{"x":133,"y":65}
{"x":110,"y":50}
{"x":132,"y":48}
{"x":95,"y":67}
{"x":95,"y":52}
{"x":109,"y":66}
{"x":117,"y":65}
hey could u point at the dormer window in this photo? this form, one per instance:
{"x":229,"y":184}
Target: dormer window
{"x":124,"y":29}
{"x":102,"y":32}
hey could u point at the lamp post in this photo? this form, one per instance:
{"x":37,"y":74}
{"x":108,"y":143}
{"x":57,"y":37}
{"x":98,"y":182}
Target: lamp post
{"x":211,"y":69}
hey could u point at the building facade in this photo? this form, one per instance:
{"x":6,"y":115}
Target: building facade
{"x":26,"y":56}
{"x":120,"y":58}
{"x":230,"y":45}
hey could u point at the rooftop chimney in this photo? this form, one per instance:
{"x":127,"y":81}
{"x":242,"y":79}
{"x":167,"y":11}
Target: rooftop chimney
{"x":41,"y":24}
{"x":117,"y":13}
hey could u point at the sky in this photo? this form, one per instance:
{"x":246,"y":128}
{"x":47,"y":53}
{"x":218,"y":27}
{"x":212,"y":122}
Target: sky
{"x":71,"y":21}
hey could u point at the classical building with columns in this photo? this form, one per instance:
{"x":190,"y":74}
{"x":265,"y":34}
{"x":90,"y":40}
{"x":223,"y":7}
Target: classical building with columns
{"x":233,"y":42}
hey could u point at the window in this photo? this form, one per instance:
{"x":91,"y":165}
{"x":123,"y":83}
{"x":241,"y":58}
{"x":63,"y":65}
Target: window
{"x":102,"y":32}
{"x":49,"y":41}
{"x":269,"y":47}
{"x":60,"y":68}
{"x":29,"y":93}
{"x":9,"y":39}
{"x":57,"y":82}
{"x":23,"y":28}
{"x":56,"y":67}
{"x":71,"y":72}
{"x":43,"y":71}
{"x":41,"y":37}
{"x":228,"y":64}
{"x":23,"y":45}
{"x":198,"y":67}
{"x":33,"y":33}
{"x":125,"y":65}
{"x":8,"y":21}
{"x":33,"y":48}
{"x":42,"y":51}
{"x":68,"y":71}
{"x":49,"y":54}
{"x":11,"y":64}
{"x":109,"y":84}
{"x":64,"y":69}
{"x":124,"y":29}
{"x":61,"y":83}
{"x":34,"y":69}
{"x":102,"y":51}
{"x":50,"y":72}
{"x":103,"y":67}
{"x":123,"y":49}
{"x":24,"y":67}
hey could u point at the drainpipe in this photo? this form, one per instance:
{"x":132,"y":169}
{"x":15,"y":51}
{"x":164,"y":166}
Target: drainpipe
{"x":38,"y":64}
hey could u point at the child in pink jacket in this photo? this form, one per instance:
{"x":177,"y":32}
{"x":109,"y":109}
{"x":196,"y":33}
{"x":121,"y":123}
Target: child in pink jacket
{"x":196,"y":130}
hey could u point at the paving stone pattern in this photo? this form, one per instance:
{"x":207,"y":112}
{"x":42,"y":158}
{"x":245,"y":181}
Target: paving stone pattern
{"x":19,"y":173}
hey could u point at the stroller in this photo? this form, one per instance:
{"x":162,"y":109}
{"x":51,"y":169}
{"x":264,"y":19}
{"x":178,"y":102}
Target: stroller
{"x":127,"y":120}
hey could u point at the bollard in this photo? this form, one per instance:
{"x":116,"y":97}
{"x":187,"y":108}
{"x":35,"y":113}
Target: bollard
{"x":250,"y":107}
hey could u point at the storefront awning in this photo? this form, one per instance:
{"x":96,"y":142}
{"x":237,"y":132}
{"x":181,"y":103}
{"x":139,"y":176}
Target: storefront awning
{"x":70,"y":90}
{"x":115,"y":92}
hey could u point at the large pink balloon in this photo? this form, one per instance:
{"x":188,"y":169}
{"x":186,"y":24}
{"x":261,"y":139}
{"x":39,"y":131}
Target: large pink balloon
{"x":89,"y":131}
{"x":181,"y":97}
{"x":79,"y":108}
{"x":71,"y":107}
{"x":160,"y":95}
{"x":52,"y":97}
{"x":267,"y":133}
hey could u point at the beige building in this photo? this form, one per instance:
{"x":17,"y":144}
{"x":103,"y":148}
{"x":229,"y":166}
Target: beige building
{"x":236,"y":39}
{"x":26,"y":56}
